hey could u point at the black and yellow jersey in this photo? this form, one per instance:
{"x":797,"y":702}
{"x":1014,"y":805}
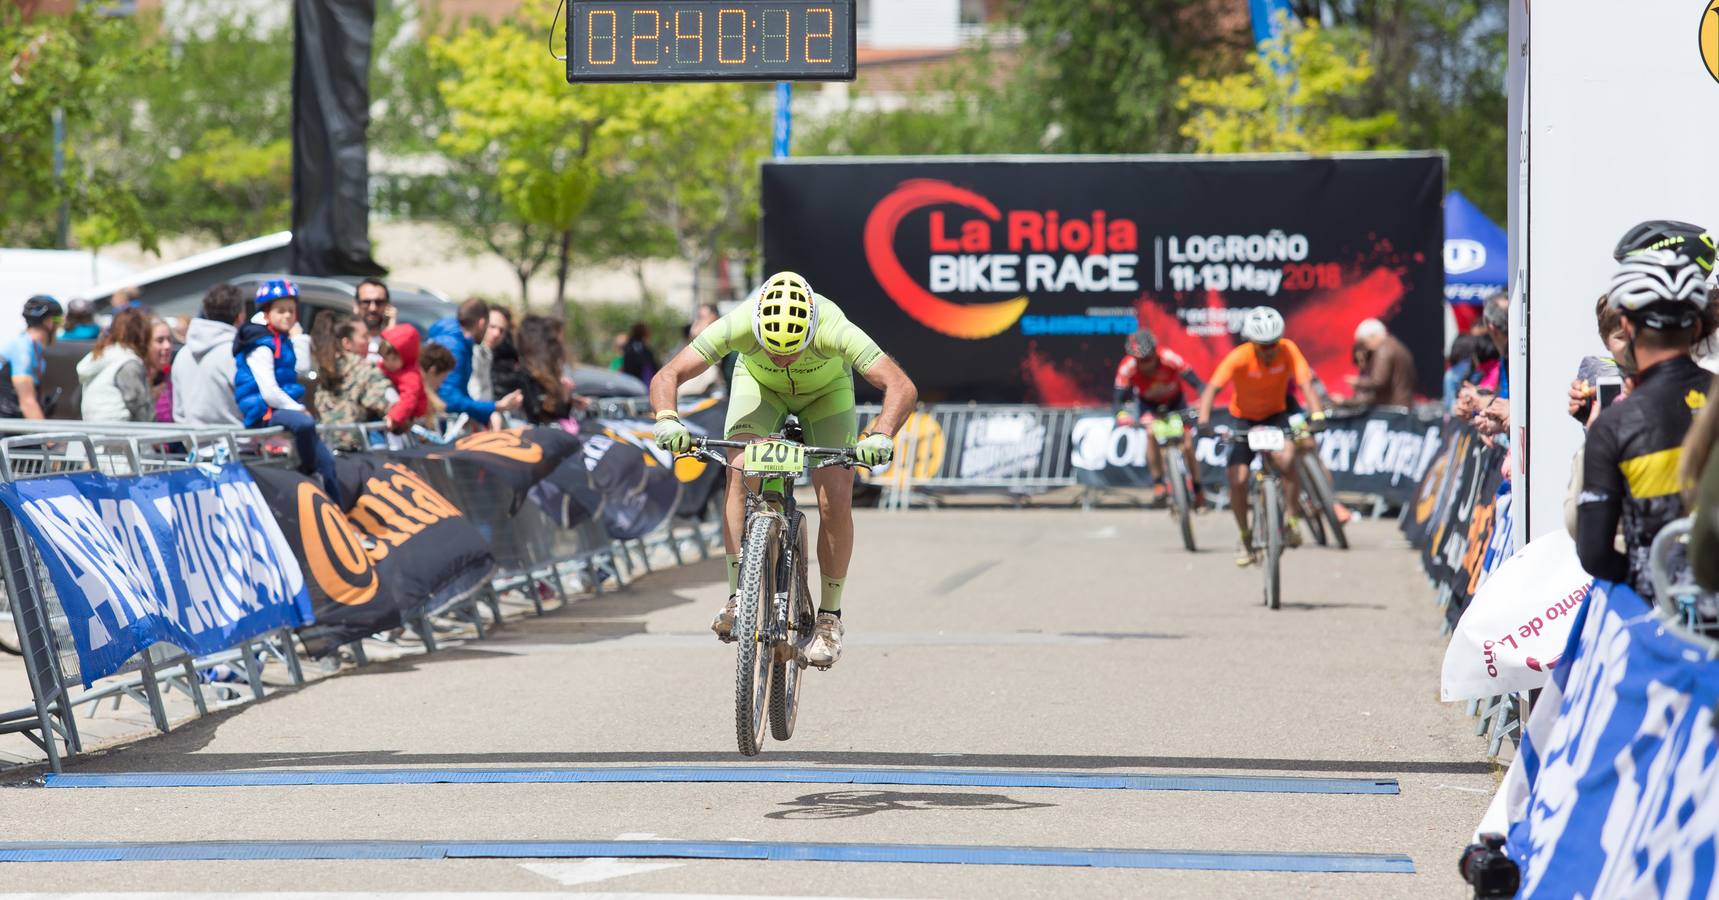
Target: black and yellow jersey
{"x":1630,"y":471}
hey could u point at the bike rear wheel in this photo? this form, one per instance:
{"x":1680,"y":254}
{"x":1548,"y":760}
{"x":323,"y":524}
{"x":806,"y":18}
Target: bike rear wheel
{"x":787,"y":671}
{"x":1325,"y":500}
{"x":1272,"y":537}
{"x":753,"y":613}
{"x":1311,"y":515}
{"x":1179,"y":492}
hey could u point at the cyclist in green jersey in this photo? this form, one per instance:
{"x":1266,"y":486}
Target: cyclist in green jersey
{"x":798,"y":353}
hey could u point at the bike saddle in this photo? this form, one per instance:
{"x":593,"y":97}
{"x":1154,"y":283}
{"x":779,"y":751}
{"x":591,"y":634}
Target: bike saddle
{"x":792,"y":431}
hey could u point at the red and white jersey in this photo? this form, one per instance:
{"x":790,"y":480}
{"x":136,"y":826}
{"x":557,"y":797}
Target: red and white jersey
{"x":1158,"y":387}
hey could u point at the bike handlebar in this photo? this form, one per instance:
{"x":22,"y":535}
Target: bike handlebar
{"x":832,"y":456}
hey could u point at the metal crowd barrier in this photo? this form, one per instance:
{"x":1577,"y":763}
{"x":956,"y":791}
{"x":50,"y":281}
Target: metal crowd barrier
{"x":1019,"y":450}
{"x":534,"y":555}
{"x":43,"y":634}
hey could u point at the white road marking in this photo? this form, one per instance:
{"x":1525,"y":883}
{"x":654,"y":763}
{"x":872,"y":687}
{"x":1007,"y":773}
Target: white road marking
{"x":591,"y":871}
{"x":417,"y":895}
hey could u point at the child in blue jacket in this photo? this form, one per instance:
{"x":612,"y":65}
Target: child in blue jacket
{"x":265,"y":379}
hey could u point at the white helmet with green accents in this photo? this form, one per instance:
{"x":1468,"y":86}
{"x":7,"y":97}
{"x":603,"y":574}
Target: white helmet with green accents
{"x":786,"y":315}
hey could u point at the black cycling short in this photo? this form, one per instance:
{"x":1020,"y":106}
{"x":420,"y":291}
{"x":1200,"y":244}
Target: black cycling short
{"x":1240,"y":453}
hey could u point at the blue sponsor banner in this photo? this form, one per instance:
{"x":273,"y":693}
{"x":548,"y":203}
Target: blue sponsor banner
{"x":194,"y":558}
{"x":1624,"y":783}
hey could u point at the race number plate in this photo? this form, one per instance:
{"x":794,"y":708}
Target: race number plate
{"x":1168,"y":428}
{"x":1265,"y":440}
{"x":775,"y":458}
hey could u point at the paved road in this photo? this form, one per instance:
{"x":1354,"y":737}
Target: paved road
{"x":1017,"y":640}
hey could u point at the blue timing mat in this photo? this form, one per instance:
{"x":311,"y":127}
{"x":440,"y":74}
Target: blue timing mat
{"x":1272,"y":784}
{"x":197,"y":851}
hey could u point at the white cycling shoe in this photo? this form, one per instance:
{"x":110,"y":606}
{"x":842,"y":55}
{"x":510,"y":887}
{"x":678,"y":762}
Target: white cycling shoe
{"x":826,"y":645}
{"x":723,"y":624}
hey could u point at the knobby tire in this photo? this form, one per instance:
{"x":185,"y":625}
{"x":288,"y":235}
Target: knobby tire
{"x":757,"y":577}
{"x":787,"y":676}
{"x":1273,"y":539}
{"x":1177,"y":470}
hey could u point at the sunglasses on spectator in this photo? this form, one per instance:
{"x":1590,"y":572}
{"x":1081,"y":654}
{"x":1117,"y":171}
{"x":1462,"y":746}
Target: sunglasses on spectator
{"x":373,"y":302}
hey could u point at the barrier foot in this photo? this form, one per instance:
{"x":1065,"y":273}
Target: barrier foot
{"x":491,"y":600}
{"x":426,"y":634}
{"x":536,"y":597}
{"x":152,"y":691}
{"x":1488,"y":708}
{"x":253,"y":668}
{"x":194,"y":685}
{"x":560,"y":586}
{"x":359,"y":657}
{"x":295,"y":669}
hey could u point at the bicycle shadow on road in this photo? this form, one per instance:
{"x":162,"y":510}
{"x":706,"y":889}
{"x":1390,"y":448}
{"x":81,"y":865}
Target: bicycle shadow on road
{"x":854,"y":804}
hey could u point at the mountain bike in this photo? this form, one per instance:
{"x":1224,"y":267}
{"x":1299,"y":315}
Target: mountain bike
{"x":774,"y":617}
{"x":1166,"y":432}
{"x":1266,"y":517}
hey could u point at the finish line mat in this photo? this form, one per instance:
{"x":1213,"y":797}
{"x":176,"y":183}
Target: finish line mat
{"x":1273,"y":784}
{"x":199,"y":851}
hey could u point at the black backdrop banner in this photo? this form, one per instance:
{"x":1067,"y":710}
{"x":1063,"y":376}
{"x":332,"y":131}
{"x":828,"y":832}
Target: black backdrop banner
{"x":1016,"y":279}
{"x":403,"y":549}
{"x":1454,"y":513}
{"x":1382,"y":452}
{"x":330,"y":114}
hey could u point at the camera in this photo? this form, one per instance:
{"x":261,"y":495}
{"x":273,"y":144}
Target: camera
{"x":1485,"y":866}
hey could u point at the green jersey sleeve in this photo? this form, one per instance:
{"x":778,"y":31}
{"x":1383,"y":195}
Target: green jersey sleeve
{"x":841,"y":338}
{"x":730,"y":334}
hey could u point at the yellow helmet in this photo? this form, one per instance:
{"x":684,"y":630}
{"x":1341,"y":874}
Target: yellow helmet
{"x":786,"y":315}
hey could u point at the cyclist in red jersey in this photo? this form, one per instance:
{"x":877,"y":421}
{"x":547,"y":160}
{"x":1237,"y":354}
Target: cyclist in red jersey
{"x":1157,"y":378}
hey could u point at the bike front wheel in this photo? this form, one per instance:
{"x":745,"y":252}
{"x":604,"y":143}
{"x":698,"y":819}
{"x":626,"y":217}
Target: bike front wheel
{"x":787,"y":671}
{"x":753,"y":614}
{"x":1273,"y":539}
{"x":1179,"y":492}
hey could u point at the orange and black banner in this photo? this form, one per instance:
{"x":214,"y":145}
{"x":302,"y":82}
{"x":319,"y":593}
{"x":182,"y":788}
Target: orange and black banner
{"x":1452,"y":517}
{"x":402,"y":550}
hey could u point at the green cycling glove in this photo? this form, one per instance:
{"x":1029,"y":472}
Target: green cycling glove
{"x":874,"y":449}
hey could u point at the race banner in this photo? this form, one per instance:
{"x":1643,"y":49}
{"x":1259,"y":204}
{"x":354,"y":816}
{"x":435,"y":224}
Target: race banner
{"x":1516,"y":626}
{"x":1385,"y":453}
{"x":517,"y":458}
{"x":192,"y":558}
{"x":1619,"y":762}
{"x":401,"y":551}
{"x":615,"y":480}
{"x":1015,"y":279}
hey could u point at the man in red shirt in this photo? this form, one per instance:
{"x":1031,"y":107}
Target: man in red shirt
{"x":1156,"y":378}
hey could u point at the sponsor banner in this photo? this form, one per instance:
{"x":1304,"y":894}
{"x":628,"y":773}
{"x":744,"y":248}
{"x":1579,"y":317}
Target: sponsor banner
{"x":1611,"y":794}
{"x":1515,"y":628}
{"x":517,"y":457}
{"x":699,"y":480}
{"x":191,"y":558}
{"x":1015,"y":279}
{"x":1462,"y":517}
{"x":401,"y":551}
{"x":1386,"y":453}
{"x":615,"y":480}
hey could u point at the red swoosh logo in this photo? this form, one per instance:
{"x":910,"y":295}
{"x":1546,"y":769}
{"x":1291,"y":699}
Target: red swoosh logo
{"x":973,"y":322}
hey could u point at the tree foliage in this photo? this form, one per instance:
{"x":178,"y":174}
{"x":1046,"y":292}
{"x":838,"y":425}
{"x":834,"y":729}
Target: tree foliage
{"x":1293,"y":98}
{"x":80,"y":64}
{"x":528,"y":147}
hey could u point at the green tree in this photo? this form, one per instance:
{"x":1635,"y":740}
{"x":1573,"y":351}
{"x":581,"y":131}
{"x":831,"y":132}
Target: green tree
{"x":694,"y":168}
{"x":73,"y":66}
{"x":527,"y":148}
{"x":1294,"y":97}
{"x":1101,"y":75}
{"x":206,"y":141}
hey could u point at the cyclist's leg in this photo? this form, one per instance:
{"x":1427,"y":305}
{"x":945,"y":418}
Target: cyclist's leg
{"x":753,"y":412}
{"x":830,"y":421}
{"x":1238,"y":475}
{"x":1154,"y":457}
{"x":1192,"y":461}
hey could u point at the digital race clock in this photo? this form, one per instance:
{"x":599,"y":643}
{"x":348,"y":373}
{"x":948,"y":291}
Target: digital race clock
{"x":710,"y":40}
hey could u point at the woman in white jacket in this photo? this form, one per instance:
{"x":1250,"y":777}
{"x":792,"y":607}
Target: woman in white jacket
{"x":113,"y":376}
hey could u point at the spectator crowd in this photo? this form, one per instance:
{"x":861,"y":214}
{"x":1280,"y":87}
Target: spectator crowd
{"x":246,"y":362}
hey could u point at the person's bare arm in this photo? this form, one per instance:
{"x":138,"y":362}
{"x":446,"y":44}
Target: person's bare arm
{"x":665,"y":385}
{"x":1207,"y":396}
{"x":1313,"y":404}
{"x":27,"y":401}
{"x":899,"y":394}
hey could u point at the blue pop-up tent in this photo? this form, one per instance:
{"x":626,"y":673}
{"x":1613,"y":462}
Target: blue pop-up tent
{"x":1476,"y":253}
